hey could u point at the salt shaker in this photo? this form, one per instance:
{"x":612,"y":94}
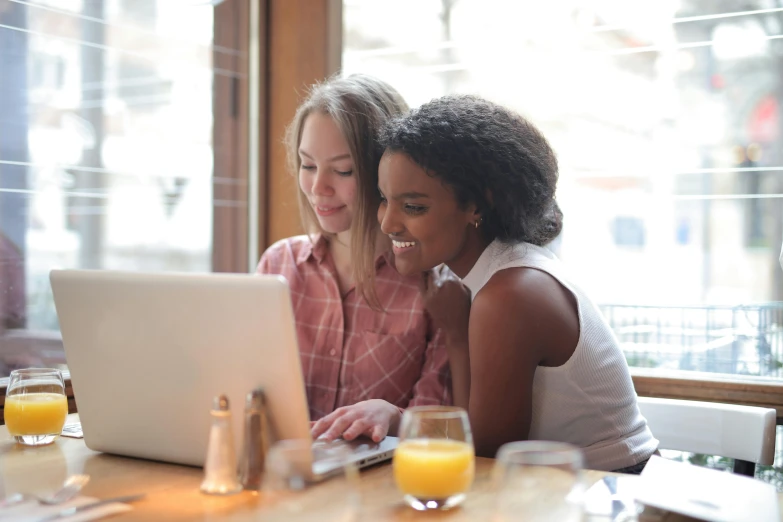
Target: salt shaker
{"x":256,"y":441}
{"x":220,"y":466}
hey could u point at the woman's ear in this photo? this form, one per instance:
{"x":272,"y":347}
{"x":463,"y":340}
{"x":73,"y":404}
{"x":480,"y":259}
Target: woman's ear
{"x":474,"y":215}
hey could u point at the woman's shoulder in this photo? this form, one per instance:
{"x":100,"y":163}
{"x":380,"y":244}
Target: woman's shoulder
{"x":293,"y":245}
{"x":286,"y":252}
{"x":529,"y":306}
{"x":526,"y":292}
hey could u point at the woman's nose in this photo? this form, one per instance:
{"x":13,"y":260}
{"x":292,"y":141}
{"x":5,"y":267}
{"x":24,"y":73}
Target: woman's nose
{"x":321,"y":184}
{"x":388,"y":220}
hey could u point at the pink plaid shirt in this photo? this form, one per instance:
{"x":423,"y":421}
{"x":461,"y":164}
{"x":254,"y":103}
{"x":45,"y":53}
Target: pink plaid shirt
{"x":350,"y":352}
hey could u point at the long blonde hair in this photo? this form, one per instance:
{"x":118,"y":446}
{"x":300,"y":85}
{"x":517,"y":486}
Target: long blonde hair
{"x":359,"y":105}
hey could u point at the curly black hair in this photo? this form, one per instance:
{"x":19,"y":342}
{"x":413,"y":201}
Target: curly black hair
{"x":490,"y":156}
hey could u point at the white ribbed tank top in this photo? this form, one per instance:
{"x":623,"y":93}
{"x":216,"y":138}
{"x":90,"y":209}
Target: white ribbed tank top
{"x":590,"y":400}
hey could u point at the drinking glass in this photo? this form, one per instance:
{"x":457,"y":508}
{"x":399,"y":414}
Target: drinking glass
{"x":35,"y":406}
{"x":538,"y":481}
{"x":434,"y":462}
{"x":288,"y":472}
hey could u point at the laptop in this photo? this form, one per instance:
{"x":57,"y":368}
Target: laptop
{"x":148,"y":352}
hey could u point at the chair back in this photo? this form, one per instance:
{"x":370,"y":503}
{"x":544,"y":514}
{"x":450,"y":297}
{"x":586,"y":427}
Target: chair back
{"x":745,"y":433}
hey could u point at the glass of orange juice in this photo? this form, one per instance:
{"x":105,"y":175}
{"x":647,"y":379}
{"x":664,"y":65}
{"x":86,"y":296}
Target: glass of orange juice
{"x":35,"y":406}
{"x":434,"y":463}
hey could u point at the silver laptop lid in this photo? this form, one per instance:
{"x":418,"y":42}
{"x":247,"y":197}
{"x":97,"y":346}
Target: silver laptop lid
{"x":148,"y":352}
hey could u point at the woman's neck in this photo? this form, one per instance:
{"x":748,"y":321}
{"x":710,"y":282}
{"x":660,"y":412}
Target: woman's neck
{"x":470,"y":253}
{"x":340,"y":250}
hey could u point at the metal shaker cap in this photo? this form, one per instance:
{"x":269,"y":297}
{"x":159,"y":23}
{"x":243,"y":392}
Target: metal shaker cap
{"x":220,"y":403}
{"x":255,"y":399}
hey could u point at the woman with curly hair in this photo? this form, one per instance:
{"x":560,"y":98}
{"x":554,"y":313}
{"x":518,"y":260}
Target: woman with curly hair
{"x":470,"y":184}
{"x":368,"y":347}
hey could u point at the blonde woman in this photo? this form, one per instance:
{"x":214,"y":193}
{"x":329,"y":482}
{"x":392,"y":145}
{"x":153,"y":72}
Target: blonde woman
{"x":367,"y":346}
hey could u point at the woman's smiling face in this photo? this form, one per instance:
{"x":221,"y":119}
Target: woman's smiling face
{"x":423,"y":218}
{"x":326,"y":173}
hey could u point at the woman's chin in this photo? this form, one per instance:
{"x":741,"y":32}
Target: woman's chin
{"x":406,"y":268}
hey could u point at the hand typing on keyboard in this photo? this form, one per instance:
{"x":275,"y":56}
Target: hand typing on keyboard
{"x":375,"y":418}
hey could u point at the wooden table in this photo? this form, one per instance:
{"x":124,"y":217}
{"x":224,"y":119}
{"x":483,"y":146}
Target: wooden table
{"x":173,"y":491}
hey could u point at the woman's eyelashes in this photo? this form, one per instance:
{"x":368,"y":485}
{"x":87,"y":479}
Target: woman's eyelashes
{"x":413,"y":210}
{"x":343,"y":173}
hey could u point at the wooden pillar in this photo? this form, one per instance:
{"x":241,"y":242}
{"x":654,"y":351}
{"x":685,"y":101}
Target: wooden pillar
{"x":304,"y":45}
{"x":230,"y":137}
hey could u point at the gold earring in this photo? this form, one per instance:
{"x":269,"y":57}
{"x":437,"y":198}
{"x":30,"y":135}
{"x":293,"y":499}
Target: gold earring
{"x":477,"y":223}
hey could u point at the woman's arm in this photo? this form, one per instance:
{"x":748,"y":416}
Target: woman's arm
{"x":459,"y":362}
{"x":448,"y":303}
{"x":521,"y":319}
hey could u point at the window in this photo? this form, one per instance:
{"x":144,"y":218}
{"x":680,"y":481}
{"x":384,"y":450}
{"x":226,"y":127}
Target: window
{"x":666,"y":117}
{"x":120,"y":148}
{"x":667,"y":122}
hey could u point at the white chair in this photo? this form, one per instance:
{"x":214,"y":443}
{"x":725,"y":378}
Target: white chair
{"x":744,"y":433}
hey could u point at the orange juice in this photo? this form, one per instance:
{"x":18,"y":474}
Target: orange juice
{"x":433,"y":468}
{"x":35,"y":413}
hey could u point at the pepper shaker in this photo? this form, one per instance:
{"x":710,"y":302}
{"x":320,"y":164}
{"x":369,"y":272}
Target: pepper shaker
{"x":256,"y":441}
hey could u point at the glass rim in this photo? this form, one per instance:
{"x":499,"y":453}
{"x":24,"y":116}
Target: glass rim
{"x":540,"y":453}
{"x":36,"y":371}
{"x":437,"y":412}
